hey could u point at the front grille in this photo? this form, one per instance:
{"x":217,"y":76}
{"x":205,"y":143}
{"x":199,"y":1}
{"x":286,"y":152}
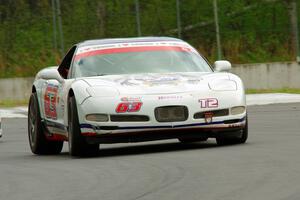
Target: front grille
{"x":216,"y":113}
{"x":129,"y":118}
{"x":171,"y":113}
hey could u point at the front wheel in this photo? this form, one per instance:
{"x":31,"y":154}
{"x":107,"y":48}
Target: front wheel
{"x":235,"y":140}
{"x":77,"y":143}
{"x":36,"y":134}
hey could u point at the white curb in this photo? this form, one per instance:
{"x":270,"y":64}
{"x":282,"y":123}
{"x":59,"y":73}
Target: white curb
{"x":274,"y":98}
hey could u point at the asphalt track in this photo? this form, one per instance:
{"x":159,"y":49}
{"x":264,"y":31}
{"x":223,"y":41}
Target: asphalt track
{"x":266,"y":167}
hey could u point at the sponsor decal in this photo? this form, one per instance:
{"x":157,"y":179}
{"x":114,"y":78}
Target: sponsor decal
{"x":50,"y":101}
{"x":208,"y":117}
{"x":131,"y":99}
{"x":169,"y":97}
{"x":129,"y":104}
{"x":151,"y":81}
{"x":209,"y":103}
{"x":156,"y":80}
{"x":128,"y":50}
{"x":129,"y":107}
{"x":132,"y":47}
{"x":131,"y":44}
{"x":234,"y":125}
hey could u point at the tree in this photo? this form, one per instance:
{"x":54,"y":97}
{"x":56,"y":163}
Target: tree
{"x":294,"y":42}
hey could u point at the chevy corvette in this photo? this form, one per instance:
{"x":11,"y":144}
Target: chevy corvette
{"x":134,"y":90}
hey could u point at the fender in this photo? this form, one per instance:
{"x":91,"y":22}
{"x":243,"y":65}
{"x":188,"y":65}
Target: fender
{"x":78,"y":88}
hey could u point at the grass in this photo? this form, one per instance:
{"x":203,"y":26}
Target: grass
{"x":283,"y":90}
{"x":13,"y":103}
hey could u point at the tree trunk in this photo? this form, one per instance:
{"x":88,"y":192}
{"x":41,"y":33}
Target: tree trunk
{"x":101,"y":15}
{"x":292,"y":10}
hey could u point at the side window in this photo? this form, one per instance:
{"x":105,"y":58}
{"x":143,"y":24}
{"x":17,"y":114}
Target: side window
{"x":64,"y":67}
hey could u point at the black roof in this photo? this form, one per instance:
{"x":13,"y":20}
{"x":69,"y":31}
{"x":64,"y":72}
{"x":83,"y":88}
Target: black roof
{"x":125,"y":40}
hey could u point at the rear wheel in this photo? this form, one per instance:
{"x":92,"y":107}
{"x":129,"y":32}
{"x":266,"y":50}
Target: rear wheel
{"x":77,"y":143}
{"x":235,"y":140}
{"x":36,"y":134}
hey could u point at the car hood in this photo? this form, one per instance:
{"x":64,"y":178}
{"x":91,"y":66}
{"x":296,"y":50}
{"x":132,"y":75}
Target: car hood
{"x":148,"y":84}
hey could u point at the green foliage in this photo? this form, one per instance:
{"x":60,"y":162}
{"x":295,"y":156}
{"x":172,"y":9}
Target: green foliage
{"x":13,"y":103}
{"x":251,"y":31}
{"x":283,"y":90}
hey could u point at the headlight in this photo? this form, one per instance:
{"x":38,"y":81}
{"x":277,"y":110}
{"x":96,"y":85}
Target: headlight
{"x":238,"y":110}
{"x":97,"y":117}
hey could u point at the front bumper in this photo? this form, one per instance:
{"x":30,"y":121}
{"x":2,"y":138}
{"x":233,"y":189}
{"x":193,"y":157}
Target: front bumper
{"x":89,"y":129}
{"x":165,"y":130}
{"x":123,"y":134}
{"x":141,"y":135}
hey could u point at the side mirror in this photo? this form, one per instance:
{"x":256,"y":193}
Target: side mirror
{"x":51,"y":73}
{"x":222,"y":66}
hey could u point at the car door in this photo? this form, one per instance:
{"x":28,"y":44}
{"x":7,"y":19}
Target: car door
{"x":50,"y":95}
{"x":53,"y":94}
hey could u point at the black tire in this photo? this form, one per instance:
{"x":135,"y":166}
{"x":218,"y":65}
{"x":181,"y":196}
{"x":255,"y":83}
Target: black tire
{"x":234,"y":140}
{"x":77,"y":143}
{"x":36,"y":133}
{"x":192,"y":140}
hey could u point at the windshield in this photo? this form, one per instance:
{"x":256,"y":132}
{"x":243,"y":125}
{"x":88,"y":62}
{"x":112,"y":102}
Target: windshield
{"x":138,"y":60}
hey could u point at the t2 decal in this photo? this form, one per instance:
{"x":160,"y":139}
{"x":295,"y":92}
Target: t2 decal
{"x":209,"y":103}
{"x":50,"y":99}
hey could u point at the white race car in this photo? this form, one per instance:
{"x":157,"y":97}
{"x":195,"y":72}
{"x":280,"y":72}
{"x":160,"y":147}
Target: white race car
{"x":131,"y":90}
